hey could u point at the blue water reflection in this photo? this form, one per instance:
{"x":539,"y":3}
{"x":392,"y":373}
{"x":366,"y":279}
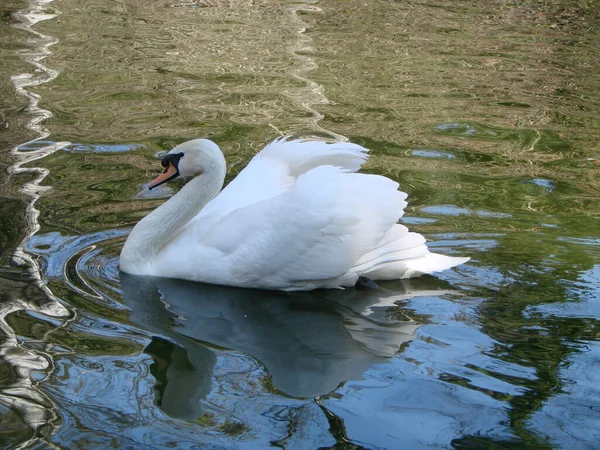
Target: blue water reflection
{"x":569,"y":419}
{"x":308,"y":343}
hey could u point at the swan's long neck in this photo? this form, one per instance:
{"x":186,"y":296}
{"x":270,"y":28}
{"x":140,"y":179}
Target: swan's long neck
{"x":157,"y":228}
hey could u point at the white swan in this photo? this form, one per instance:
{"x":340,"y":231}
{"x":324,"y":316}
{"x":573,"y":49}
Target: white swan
{"x":297,"y":217}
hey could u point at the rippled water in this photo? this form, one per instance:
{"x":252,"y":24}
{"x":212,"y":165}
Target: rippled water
{"x":485,"y":112}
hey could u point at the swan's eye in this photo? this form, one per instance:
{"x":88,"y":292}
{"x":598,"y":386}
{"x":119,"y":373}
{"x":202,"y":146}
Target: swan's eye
{"x":171,"y":158}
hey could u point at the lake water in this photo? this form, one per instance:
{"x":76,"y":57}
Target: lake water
{"x":485,"y":112}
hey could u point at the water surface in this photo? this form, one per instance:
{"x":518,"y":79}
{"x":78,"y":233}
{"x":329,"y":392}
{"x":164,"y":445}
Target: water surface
{"x":485,"y":113}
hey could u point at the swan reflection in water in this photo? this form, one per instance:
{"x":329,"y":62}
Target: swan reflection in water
{"x":309,"y":343}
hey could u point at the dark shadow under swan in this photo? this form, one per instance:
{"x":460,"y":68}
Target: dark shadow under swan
{"x":309,"y":343}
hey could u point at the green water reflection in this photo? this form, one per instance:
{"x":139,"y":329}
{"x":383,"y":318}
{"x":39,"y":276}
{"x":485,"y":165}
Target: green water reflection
{"x":485,"y":113}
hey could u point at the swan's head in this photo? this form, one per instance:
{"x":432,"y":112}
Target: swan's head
{"x":190,"y":159}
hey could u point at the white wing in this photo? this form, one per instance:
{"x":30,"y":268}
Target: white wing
{"x":308,"y":236}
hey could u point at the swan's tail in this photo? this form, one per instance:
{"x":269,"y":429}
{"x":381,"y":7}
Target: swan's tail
{"x":402,"y":254}
{"x":301,"y":156}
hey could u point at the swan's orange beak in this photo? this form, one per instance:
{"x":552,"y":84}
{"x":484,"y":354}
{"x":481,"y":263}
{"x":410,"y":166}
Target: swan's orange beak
{"x":169,"y":173}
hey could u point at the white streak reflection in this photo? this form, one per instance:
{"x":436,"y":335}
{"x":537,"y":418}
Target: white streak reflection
{"x":22,"y":396}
